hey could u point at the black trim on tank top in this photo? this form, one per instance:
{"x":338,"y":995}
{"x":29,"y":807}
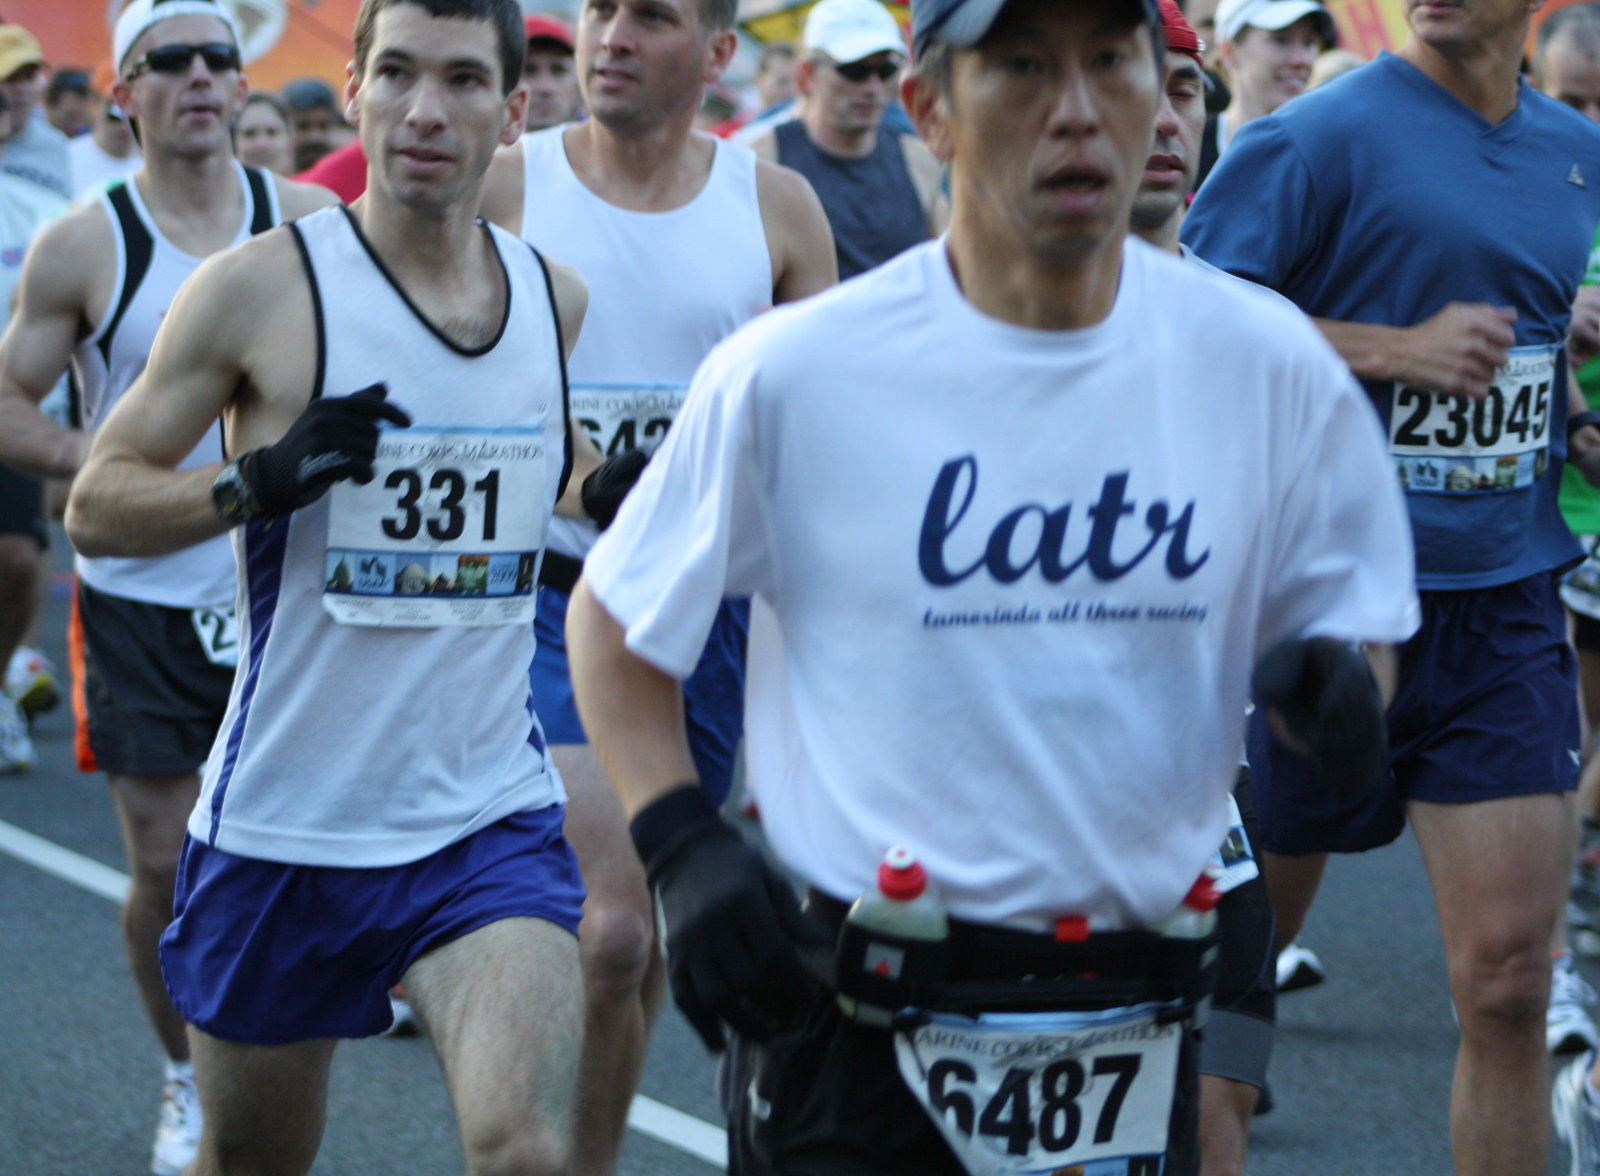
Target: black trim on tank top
{"x":561,"y":358}
{"x":316,"y":310}
{"x":138,"y":249}
{"x":505,"y":278}
{"x":261,"y":218}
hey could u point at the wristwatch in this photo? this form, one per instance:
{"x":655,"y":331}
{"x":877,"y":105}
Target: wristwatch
{"x":1579,"y":419}
{"x":231,"y":495}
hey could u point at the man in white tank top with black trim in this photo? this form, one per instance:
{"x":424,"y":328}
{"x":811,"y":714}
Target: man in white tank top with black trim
{"x":157,"y":636}
{"x":682,"y":239}
{"x":380,"y":803}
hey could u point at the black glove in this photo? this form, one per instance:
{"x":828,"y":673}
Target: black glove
{"x":733,"y":925}
{"x":333,"y":439}
{"x":1324,"y":692}
{"x":609,"y":482}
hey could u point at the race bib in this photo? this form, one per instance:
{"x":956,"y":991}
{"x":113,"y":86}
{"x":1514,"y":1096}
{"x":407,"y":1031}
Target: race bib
{"x":447,"y":532}
{"x":622,"y":417}
{"x":218,"y":630}
{"x":1457,"y":445}
{"x":1235,"y":863}
{"x":1029,"y":1094}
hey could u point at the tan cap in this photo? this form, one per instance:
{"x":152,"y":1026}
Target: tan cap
{"x":18,"y":47}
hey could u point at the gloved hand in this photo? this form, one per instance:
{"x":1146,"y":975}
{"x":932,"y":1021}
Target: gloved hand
{"x":733,"y":925}
{"x":333,"y":439}
{"x":609,"y":482}
{"x":1325,"y":695}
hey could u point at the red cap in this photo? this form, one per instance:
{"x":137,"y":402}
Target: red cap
{"x":901,"y":877}
{"x":1181,"y":37}
{"x":547,"y":28}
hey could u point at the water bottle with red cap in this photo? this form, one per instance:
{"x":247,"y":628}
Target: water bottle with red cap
{"x":897,"y":931}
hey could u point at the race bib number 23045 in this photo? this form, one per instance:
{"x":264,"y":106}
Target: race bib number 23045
{"x":447,"y":532}
{"x":1458,"y":445}
{"x":1035,"y":1094}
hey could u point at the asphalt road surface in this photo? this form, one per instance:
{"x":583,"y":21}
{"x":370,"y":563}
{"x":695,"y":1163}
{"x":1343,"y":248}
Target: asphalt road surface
{"x":1361,"y":1073}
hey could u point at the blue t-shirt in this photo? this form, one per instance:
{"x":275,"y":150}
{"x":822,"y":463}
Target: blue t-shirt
{"x":1381,"y":198}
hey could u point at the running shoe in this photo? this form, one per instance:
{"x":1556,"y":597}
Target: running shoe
{"x":405,"y":1023}
{"x":1299,"y":967}
{"x":1577,"y":1120}
{"x":31,"y":682}
{"x":1568,"y":1028}
{"x":16,"y":749}
{"x":178,"y":1133}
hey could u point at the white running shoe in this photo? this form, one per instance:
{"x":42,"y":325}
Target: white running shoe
{"x":1577,"y":1120}
{"x":178,"y":1133}
{"x":31,"y":681}
{"x":1299,"y":967}
{"x":1568,"y":1028}
{"x":405,"y":1023}
{"x":16,"y":749}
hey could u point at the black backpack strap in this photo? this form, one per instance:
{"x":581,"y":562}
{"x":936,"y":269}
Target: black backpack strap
{"x":261,"y":217}
{"x":138,"y":247}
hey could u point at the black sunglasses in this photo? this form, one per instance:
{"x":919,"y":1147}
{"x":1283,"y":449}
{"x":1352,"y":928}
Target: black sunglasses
{"x":176,"y":59}
{"x":860,"y":71}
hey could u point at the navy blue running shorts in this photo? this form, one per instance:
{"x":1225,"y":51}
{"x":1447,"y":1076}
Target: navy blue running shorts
{"x":269,"y":953}
{"x":22,"y":506}
{"x":1487,"y":707}
{"x":713,"y":696}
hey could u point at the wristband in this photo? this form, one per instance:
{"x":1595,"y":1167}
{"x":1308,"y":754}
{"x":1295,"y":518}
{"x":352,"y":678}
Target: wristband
{"x":1579,"y":420}
{"x":660,"y":822}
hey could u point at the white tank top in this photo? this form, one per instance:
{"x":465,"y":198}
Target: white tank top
{"x":664,"y":289}
{"x":375,"y":744}
{"x":149,"y":271}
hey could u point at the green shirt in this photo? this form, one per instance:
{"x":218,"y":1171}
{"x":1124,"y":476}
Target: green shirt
{"x":1580,"y":502}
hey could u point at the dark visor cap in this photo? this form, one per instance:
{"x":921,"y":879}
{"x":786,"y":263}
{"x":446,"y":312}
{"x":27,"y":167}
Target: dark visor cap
{"x":961,"y":24}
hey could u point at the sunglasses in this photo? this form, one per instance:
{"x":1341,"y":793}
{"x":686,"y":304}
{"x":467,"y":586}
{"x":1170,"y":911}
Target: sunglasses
{"x":175,"y":59}
{"x":860,"y":71}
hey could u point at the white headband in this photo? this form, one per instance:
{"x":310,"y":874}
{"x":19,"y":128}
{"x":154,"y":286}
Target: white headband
{"x":142,"y":14}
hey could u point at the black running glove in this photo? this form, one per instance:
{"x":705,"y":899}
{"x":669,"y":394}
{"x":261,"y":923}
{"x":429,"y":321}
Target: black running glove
{"x":334,"y":439}
{"x":1324,"y":693}
{"x":609,"y":482}
{"x":733,"y":925}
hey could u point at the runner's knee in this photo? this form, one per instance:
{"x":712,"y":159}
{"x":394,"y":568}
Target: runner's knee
{"x":516,"y":1150}
{"x":618,"y":941}
{"x":1503,"y":982}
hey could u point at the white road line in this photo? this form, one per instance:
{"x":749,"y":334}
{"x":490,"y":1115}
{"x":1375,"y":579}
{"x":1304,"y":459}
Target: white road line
{"x":705,"y":1141}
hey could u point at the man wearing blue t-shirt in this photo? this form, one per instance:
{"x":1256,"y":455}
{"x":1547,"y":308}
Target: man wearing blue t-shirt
{"x":1434,"y":212}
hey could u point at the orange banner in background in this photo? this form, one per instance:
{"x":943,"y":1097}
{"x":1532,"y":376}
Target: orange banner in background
{"x":283,"y":39}
{"x":1366,"y":26}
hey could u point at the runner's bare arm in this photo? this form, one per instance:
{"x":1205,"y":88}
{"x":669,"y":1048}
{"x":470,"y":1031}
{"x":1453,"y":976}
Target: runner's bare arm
{"x":51,"y":315}
{"x":632,"y":710}
{"x":766,"y":148}
{"x":1455,"y":352}
{"x":130,"y":499}
{"x":798,"y":237}
{"x":572,"y":303}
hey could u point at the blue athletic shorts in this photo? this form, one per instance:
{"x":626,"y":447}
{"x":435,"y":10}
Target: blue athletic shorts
{"x":1486,"y":708}
{"x":267,"y":953}
{"x":713,"y":696}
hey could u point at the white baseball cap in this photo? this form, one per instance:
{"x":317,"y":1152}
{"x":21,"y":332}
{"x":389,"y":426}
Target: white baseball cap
{"x":848,"y":30}
{"x":1234,"y":16}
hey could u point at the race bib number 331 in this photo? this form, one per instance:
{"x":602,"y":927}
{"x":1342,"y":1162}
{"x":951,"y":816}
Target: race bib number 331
{"x":1035,"y":1094}
{"x":447,"y":532}
{"x":1458,"y":445}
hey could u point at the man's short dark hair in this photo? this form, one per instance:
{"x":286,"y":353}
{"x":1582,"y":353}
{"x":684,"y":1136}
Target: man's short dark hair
{"x":66,"y":81}
{"x":503,"y":14}
{"x":717,"y":16}
{"x":1581,"y":21}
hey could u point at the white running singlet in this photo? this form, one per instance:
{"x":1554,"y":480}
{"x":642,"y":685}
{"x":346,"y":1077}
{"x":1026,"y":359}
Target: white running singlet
{"x":149,"y":271}
{"x":664,"y":289}
{"x":379,"y":742}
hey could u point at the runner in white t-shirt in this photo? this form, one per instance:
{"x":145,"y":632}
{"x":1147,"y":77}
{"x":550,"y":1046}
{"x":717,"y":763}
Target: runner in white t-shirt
{"x":1010,"y":574}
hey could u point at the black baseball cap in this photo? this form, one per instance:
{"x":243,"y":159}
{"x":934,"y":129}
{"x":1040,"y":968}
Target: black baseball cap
{"x":961,"y":24}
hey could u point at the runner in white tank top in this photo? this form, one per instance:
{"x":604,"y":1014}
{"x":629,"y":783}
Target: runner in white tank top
{"x":379,"y":805}
{"x":157,"y":634}
{"x":681,"y":239}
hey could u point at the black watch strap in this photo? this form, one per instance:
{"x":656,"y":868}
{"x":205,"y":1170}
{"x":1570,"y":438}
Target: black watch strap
{"x":1579,"y":419}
